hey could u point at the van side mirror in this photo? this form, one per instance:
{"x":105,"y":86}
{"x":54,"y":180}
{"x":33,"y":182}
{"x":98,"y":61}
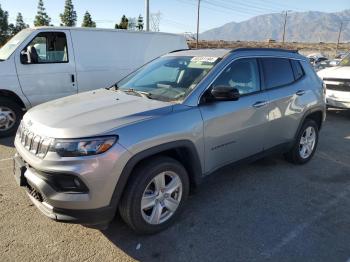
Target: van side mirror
{"x":24,"y":57}
{"x":225,"y":93}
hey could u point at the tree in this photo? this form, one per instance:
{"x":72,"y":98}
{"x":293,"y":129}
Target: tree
{"x":69,"y":16}
{"x":139,"y":25}
{"x":42,"y":19}
{"x":4,"y":26}
{"x":20,"y":25}
{"x":87,"y":21}
{"x":123,"y":23}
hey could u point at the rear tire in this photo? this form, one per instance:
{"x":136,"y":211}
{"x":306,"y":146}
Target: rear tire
{"x":305,"y":144}
{"x":10,"y":117}
{"x":148,"y":210}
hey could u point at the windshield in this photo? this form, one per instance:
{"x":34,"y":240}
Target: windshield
{"x":12,"y":45}
{"x":345,"y":61}
{"x":169,"y":78}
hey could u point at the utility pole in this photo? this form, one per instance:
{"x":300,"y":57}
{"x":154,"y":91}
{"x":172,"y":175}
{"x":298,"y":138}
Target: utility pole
{"x":340,"y":29}
{"x":285,"y":24}
{"x":199,"y":6}
{"x":339,"y":34}
{"x":147,"y":14}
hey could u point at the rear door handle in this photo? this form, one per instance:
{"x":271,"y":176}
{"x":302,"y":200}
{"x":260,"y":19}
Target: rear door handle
{"x":73,"y":78}
{"x":260,"y":104}
{"x":300,"y":92}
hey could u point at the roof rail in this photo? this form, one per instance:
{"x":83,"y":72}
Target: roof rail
{"x":264,"y":49}
{"x":178,"y":50}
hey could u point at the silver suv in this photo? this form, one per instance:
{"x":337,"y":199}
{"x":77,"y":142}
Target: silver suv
{"x":144,"y":144}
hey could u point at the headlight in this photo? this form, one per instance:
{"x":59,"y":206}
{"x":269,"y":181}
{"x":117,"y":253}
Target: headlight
{"x":83,"y":147}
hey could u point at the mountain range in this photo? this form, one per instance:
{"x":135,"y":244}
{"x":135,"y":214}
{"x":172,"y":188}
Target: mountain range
{"x":309,"y":26}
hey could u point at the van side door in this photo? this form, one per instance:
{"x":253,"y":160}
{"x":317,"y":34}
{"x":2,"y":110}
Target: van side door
{"x":287,"y":88}
{"x":234,"y":130}
{"x":46,"y":67}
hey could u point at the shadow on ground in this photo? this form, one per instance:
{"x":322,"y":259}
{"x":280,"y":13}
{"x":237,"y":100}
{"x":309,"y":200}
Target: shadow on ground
{"x":7,"y":141}
{"x":267,"y":210}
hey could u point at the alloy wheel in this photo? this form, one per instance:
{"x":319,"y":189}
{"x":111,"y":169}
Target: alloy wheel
{"x":7,"y":118}
{"x":161,"y":198}
{"x":307,"y":142}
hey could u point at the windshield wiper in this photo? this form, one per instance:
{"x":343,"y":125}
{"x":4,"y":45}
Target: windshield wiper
{"x":136,"y":92}
{"x":131,"y":90}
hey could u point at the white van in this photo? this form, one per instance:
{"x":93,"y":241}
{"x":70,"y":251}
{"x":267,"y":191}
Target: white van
{"x":45,"y":63}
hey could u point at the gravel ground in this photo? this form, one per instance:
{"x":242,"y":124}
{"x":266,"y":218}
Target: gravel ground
{"x":266,"y":211}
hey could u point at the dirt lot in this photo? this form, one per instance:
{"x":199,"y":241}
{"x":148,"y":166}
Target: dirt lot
{"x":270,"y":210}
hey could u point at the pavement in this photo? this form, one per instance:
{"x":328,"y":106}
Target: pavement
{"x":269,"y":210}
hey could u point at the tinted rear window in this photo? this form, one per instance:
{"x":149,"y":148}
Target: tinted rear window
{"x":277,"y":72}
{"x":298,"y":69}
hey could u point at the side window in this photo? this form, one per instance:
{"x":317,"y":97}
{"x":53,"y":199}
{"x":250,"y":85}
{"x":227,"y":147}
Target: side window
{"x":297,"y":69}
{"x":277,"y":72}
{"x":47,"y":48}
{"x":242,"y":74}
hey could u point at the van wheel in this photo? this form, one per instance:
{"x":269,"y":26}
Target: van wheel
{"x":155,"y":195}
{"x":305,"y":145}
{"x":10,"y":116}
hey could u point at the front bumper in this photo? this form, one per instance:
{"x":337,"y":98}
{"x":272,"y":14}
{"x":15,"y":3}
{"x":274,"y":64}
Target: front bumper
{"x":338,"y":99}
{"x":38,"y":188}
{"x":99,"y":175}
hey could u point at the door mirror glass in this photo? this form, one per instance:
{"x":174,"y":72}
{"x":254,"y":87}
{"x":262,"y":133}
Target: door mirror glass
{"x":225,"y":93}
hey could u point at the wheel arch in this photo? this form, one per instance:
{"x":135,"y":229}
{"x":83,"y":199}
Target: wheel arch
{"x":316,"y":114}
{"x":183,"y":151}
{"x":12,"y":96}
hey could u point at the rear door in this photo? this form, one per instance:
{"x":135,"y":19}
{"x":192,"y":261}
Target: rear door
{"x":234,"y":130}
{"x":48,"y":71}
{"x":284,"y":82}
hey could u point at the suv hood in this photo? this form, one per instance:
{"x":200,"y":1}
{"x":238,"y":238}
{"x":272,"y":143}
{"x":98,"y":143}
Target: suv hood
{"x":342,"y":72}
{"x":91,"y":113}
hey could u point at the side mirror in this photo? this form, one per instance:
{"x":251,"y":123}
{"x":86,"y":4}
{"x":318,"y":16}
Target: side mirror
{"x":225,"y":93}
{"x":24,"y":57}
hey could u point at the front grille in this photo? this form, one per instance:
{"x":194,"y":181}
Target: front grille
{"x":337,"y":84}
{"x":33,"y":143}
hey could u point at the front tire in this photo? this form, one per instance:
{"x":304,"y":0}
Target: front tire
{"x":155,"y":195}
{"x":10,"y":117}
{"x":305,"y":144}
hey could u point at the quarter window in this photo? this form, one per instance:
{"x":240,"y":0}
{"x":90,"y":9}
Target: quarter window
{"x":242,"y":74}
{"x":277,"y":72}
{"x":298,"y":70}
{"x":48,"y":48}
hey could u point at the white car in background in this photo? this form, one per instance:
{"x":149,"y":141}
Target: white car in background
{"x":41,"y":64}
{"x":337,"y":82}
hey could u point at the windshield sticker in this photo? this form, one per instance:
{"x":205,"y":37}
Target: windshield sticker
{"x":207,"y":59}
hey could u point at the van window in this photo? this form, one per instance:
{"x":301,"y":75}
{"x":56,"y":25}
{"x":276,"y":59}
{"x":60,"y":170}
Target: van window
{"x":242,"y":74}
{"x":277,"y":72}
{"x":48,"y":48}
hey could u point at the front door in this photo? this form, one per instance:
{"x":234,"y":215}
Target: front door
{"x":235,"y":130}
{"x":46,"y":67}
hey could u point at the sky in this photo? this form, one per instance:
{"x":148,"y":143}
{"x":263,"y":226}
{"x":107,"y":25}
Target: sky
{"x":176,"y":16}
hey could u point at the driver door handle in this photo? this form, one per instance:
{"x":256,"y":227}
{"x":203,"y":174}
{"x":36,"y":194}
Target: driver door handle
{"x":300,"y":92}
{"x":260,"y":104}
